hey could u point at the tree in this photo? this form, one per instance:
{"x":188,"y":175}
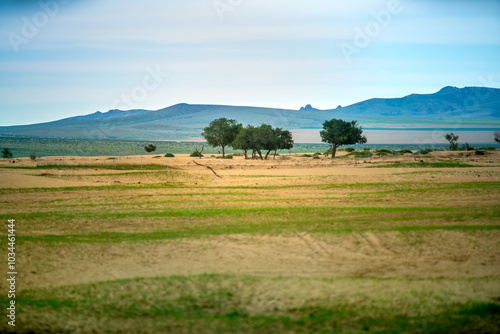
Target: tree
{"x":265,"y":139}
{"x":221,"y":132}
{"x":497,"y":137}
{"x":285,"y":140}
{"x":453,"y":139}
{"x":6,"y":153}
{"x":244,"y":140}
{"x":150,"y":148}
{"x":338,"y":132}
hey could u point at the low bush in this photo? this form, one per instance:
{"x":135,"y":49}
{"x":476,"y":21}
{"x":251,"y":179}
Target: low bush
{"x":196,"y":154}
{"x":425,"y":151}
{"x":405,"y":151}
{"x":479,"y":152}
{"x":170,"y":155}
{"x":350,"y":149}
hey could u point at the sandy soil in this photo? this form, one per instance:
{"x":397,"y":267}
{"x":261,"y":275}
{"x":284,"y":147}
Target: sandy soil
{"x":294,"y":165}
{"x":369,"y":254}
{"x":436,"y":254}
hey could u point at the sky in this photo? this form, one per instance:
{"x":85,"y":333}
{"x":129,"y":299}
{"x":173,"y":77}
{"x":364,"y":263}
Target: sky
{"x":62,"y":58}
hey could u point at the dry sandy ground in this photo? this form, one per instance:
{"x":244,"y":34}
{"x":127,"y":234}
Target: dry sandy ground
{"x":436,"y":254}
{"x":441,"y":254}
{"x":294,"y":165}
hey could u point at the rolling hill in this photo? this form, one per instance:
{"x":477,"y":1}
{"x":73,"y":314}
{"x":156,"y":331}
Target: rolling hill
{"x":471,"y":106}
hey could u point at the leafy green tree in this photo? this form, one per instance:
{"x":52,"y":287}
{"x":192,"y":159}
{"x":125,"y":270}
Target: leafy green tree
{"x":497,"y":137}
{"x":245,"y":140}
{"x":221,"y":132}
{"x":265,"y":140}
{"x":453,"y":140}
{"x":6,"y":153}
{"x":284,"y":140}
{"x":262,"y":138}
{"x":150,"y":148}
{"x":338,"y":132}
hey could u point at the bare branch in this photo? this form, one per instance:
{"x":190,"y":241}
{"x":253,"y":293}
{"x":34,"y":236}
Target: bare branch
{"x":208,"y":168}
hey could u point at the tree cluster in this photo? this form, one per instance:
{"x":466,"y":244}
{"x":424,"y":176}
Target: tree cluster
{"x":260,"y":140}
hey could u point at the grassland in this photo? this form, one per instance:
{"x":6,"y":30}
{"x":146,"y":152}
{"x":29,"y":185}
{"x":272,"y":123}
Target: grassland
{"x":42,"y":147}
{"x":256,"y":251}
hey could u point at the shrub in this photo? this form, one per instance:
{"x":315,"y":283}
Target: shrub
{"x":366,"y":149}
{"x":383,"y":151}
{"x":150,"y":148}
{"x":6,"y":153}
{"x":466,"y":147}
{"x":316,"y":157}
{"x":317,"y":153}
{"x":350,"y":149}
{"x":329,"y":151}
{"x":478,"y":152}
{"x":169,"y":155}
{"x":196,"y":155}
{"x":32,"y":156}
{"x":405,"y":151}
{"x":425,"y":151}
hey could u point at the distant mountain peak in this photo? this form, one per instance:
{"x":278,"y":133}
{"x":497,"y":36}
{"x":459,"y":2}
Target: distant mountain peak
{"x":308,"y":108}
{"x":449,"y":89}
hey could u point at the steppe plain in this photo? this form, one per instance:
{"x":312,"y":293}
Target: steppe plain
{"x":290,"y":245}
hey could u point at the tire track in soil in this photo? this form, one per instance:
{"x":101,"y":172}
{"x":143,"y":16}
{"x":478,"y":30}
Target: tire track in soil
{"x":315,"y":246}
{"x":376,"y":245}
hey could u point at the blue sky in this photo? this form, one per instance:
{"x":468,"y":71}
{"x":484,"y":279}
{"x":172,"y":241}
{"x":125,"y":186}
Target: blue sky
{"x":64,"y":58}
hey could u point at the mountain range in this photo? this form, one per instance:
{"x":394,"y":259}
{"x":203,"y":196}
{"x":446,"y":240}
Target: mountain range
{"x":449,"y":107}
